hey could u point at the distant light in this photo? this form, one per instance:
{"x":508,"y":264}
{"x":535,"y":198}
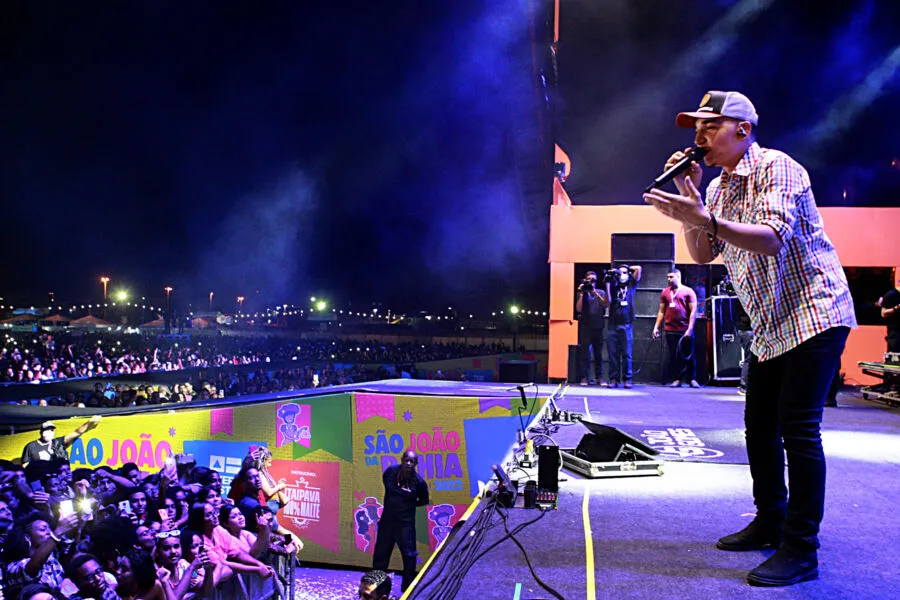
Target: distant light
{"x":514,"y":309}
{"x":121,"y":295}
{"x":312,"y":298}
{"x":321,"y":305}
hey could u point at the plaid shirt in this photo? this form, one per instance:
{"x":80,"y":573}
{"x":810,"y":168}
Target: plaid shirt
{"x":51,"y":574}
{"x":801,"y":291}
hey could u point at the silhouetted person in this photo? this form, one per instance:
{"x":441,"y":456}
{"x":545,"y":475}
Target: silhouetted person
{"x":404,"y":490}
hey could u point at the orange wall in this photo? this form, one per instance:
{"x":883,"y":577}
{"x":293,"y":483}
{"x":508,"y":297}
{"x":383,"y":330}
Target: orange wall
{"x":864,"y":237}
{"x":865,"y":343}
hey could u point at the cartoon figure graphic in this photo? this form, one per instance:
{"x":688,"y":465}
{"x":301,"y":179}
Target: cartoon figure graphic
{"x":366,"y":516}
{"x":289,"y":430}
{"x":440,"y":515}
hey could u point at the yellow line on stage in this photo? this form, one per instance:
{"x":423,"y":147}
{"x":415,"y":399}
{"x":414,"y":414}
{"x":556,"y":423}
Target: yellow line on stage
{"x":588,"y":545}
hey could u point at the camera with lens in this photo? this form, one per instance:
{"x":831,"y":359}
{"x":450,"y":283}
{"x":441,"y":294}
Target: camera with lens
{"x":612,"y":276}
{"x":587,"y":285}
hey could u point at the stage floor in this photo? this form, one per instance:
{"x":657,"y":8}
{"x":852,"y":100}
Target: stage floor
{"x":654,"y":536}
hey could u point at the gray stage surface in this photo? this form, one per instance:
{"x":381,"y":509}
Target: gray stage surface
{"x":654,"y":536}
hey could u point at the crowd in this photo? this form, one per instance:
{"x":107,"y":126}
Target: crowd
{"x":37,"y":358}
{"x":120,"y":533}
{"x":223,"y":384}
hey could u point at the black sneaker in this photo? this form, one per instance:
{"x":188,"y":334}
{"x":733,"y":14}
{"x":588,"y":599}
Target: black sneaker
{"x":785,"y":567}
{"x":755,"y":536}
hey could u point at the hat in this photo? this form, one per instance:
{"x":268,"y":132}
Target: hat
{"x":733,"y":105}
{"x":47,"y":425}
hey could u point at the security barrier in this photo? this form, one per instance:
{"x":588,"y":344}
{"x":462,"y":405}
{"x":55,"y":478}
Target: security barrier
{"x":331,"y":449}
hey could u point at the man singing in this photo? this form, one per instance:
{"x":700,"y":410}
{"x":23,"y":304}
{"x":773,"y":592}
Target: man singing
{"x":404,"y":490}
{"x":760,"y":215}
{"x":678,"y":312}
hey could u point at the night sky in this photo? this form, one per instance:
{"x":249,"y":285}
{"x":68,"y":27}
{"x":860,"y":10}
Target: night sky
{"x":374,"y":151}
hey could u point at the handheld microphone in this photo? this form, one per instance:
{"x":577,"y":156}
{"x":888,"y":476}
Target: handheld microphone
{"x":693,"y":155}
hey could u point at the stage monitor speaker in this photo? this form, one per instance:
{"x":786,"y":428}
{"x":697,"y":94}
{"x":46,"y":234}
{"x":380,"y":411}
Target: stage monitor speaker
{"x":638,"y":247}
{"x":549,"y":461}
{"x":518,"y":371}
{"x":727,"y":353}
{"x":608,"y":444}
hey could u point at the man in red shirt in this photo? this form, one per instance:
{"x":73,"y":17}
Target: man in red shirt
{"x":678,"y":307}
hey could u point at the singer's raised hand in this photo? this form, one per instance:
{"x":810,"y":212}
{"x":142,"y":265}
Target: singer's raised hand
{"x":686,"y":208}
{"x":695,"y":172}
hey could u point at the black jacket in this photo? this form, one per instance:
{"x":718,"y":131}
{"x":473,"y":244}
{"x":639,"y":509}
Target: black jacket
{"x":400,"y":503}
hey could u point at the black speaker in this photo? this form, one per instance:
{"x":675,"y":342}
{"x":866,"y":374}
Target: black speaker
{"x":646,"y":302}
{"x":637,"y":247}
{"x":608,"y":444}
{"x":647,"y":353}
{"x":549,"y":461}
{"x":655,"y":275}
{"x":518,"y":371}
{"x":572,"y":372}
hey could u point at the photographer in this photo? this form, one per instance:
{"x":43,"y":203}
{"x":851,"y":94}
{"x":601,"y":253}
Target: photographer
{"x":590,"y":303}
{"x":620,"y":285}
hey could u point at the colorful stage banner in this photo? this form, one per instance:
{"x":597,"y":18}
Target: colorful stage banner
{"x":331,"y":449}
{"x":292,"y":424}
{"x":313,"y":494}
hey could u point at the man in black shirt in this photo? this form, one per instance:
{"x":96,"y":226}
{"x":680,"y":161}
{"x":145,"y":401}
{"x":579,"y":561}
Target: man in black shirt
{"x":890,"y":312}
{"x":591,"y":304}
{"x":404,"y":490}
{"x":620,"y":341}
{"x":49,"y":446}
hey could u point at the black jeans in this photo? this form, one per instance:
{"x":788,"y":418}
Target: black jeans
{"x":402,"y":534}
{"x":746,"y":338}
{"x":680,"y":366}
{"x":590,"y":338}
{"x":783,"y":413}
{"x":619,"y":342}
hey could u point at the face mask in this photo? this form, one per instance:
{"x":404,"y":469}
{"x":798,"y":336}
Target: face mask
{"x":623,"y":278}
{"x":47,"y":435}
